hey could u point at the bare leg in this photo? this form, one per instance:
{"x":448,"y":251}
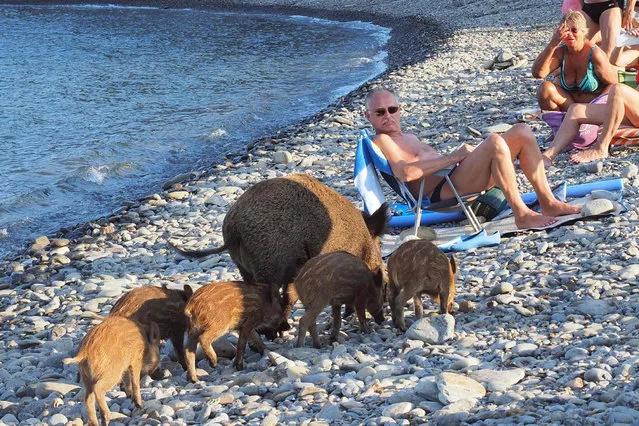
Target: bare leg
{"x":189,"y":354}
{"x":552,"y":97}
{"x":610,"y":25}
{"x":622,"y":108}
{"x":521,"y":143}
{"x":491,"y":163}
{"x":577,"y":115}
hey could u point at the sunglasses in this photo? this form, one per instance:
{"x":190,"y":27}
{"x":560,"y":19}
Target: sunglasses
{"x":380,"y":112}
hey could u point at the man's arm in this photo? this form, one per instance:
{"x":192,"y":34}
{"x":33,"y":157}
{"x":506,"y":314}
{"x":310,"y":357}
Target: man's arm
{"x":416,"y":160}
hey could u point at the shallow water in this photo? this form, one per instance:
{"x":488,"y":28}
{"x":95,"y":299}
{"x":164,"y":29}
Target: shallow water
{"x":102,"y":104}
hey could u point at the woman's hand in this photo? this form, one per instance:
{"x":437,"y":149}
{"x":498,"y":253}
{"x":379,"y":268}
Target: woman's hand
{"x":634,"y":32}
{"x":558,"y":35}
{"x":627,"y":19}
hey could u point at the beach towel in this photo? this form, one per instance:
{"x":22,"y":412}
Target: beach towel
{"x":587,"y":132}
{"x":570,"y":5}
{"x":365,"y":178}
{"x":624,"y":136}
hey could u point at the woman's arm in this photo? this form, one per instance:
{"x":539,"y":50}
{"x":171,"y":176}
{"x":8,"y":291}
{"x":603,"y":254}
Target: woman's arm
{"x":604,"y":70}
{"x":549,"y":58}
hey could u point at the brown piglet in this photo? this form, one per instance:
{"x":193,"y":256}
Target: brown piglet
{"x":220,"y":307}
{"x":159,"y":305}
{"x":336,"y":279}
{"x":116,"y":351}
{"x":419,"y":267}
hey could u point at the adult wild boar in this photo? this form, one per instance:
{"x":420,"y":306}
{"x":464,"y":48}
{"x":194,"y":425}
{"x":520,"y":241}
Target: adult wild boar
{"x":277,"y":225}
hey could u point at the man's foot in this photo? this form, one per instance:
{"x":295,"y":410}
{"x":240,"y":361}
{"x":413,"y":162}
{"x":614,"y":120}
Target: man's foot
{"x":589,"y":155}
{"x":558,"y":208}
{"x":547,"y":161}
{"x":532,"y":219}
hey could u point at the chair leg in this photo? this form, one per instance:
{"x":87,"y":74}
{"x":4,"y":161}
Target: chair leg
{"x":468,"y":212}
{"x":418,"y":208}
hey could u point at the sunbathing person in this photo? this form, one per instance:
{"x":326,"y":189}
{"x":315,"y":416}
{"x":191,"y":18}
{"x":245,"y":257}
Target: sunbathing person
{"x":622,"y":108}
{"x":584,"y":70}
{"x":480,"y":168}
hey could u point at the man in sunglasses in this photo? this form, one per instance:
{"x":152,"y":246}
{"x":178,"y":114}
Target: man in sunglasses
{"x":476,"y":168}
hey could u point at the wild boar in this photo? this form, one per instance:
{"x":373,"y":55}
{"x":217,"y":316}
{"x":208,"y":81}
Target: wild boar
{"x":220,"y":307}
{"x":159,"y":305}
{"x":335,"y":279}
{"x":418,"y":267}
{"x":277,"y":225}
{"x":116,"y":351}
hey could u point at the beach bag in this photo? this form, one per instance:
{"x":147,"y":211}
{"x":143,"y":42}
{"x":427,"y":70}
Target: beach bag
{"x":570,"y":5}
{"x":587,"y":132}
{"x":489,"y":204}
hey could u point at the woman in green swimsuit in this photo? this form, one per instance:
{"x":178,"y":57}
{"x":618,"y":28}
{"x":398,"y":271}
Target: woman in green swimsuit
{"x":584,"y":70}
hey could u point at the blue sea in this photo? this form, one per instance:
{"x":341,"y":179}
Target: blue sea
{"x":102,"y":104}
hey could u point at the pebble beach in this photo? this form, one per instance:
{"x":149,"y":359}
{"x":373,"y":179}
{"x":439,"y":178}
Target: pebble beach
{"x":546,"y":325}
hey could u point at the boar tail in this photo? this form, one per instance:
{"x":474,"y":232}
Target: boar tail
{"x":198,"y":253}
{"x":94,"y":315}
{"x":73,"y":360}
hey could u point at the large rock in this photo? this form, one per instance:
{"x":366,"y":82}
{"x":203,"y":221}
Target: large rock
{"x":498,"y":380}
{"x":595,"y":207}
{"x":433,"y":330}
{"x":44,"y":389}
{"x":594,"y":307}
{"x":455,"y":387}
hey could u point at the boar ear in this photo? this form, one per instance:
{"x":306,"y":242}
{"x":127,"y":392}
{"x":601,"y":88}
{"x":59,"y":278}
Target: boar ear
{"x":453,"y":264}
{"x":376,"y":223}
{"x":154,"y":333}
{"x":188,"y":292}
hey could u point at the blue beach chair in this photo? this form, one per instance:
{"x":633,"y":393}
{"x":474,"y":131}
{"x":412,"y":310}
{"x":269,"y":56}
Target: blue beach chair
{"x":369,"y":160}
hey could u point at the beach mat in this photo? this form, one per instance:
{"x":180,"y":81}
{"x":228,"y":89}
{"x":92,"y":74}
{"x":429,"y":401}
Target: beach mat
{"x":505,"y":226}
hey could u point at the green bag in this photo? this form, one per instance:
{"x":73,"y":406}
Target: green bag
{"x":489,"y":204}
{"x":628,"y":78}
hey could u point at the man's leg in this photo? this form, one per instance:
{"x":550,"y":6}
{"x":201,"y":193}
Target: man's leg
{"x":523,"y":145}
{"x":577,"y":115}
{"x":551,"y":97}
{"x":610,"y":25}
{"x":622,"y":108}
{"x":491,"y":163}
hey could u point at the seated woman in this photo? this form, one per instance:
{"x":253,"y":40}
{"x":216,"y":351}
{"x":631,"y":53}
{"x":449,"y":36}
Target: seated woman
{"x":622,"y":108}
{"x":584,"y":70}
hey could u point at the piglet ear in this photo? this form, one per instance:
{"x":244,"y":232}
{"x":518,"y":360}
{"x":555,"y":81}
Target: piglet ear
{"x":188,"y":292}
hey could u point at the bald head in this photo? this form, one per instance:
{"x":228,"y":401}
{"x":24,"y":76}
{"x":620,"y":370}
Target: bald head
{"x":375,"y":92}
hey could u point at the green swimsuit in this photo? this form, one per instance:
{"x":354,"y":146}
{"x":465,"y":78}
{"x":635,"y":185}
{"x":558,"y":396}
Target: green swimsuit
{"x":590,"y":83}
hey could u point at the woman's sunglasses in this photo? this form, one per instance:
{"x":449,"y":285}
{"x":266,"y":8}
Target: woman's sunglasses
{"x":380,"y":112}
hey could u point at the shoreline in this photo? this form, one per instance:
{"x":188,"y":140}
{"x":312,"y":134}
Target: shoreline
{"x":546,"y":325}
{"x":410,"y":41}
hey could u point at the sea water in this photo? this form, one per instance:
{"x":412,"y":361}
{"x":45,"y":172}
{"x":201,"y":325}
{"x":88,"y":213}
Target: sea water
{"x":101,"y":104}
